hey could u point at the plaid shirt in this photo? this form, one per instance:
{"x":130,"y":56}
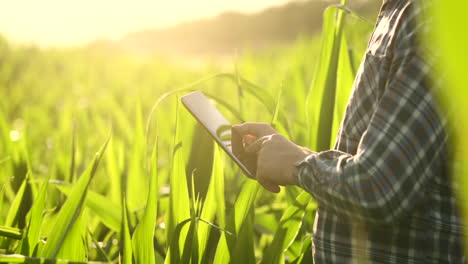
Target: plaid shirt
{"x":384,"y":192}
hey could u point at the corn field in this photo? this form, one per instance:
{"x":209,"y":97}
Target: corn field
{"x":99,"y":162}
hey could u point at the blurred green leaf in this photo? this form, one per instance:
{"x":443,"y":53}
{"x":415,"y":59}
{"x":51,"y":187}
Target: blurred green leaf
{"x":344,"y":83}
{"x":142,"y":241}
{"x":74,"y":246}
{"x":33,"y":229}
{"x":127,"y":251}
{"x":178,"y":199}
{"x":321,"y":97}
{"x":13,"y":212}
{"x":222,"y":250}
{"x":71,"y":210}
{"x":11,"y":232}
{"x":71,"y":172}
{"x":213,"y":203}
{"x":288,"y":229}
{"x":237,"y":219}
{"x":449,"y":39}
{"x":17,"y":258}
{"x":137,"y":189}
{"x":108,"y":211}
{"x":244,"y":203}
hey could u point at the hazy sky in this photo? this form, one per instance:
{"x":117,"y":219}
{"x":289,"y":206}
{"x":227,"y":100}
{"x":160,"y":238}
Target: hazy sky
{"x":73,"y":22}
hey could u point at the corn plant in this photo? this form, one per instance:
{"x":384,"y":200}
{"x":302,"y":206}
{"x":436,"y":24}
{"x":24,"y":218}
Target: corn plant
{"x":158,"y":190}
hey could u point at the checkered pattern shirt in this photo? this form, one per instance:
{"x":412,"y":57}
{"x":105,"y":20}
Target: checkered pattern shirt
{"x":384,"y":192}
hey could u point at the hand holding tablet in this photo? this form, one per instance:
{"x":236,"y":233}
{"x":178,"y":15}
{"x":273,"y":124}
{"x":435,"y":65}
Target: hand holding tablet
{"x":232,"y":142}
{"x":257,"y":148}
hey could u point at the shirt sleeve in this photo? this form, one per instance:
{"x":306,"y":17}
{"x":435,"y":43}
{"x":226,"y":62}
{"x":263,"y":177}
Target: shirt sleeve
{"x":399,"y":154}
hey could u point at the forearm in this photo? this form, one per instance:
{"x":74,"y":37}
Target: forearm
{"x":345,"y":184}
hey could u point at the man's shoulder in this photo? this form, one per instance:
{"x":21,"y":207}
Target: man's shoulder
{"x":405,"y":23}
{"x":415,"y":22}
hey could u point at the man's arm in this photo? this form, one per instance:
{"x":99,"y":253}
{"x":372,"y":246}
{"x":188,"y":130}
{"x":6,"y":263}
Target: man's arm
{"x":400,"y":152}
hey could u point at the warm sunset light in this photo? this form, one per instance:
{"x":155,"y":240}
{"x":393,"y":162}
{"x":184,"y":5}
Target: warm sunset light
{"x":59,"y":22}
{"x":233,"y":131}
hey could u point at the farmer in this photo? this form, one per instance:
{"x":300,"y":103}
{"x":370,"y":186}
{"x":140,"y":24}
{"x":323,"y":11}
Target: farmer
{"x":384,"y":192}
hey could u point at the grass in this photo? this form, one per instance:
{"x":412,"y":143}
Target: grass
{"x":147,"y":196}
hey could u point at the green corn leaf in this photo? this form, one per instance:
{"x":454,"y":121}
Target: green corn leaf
{"x":5,"y":147}
{"x":17,"y":258}
{"x":142,"y":241}
{"x":13,"y":212}
{"x":218,"y":178}
{"x":114,"y":162}
{"x":242,"y":209}
{"x":344,"y":83}
{"x":274,"y":118}
{"x":11,"y":232}
{"x":316,"y":90}
{"x":244,"y":251}
{"x":108,"y":211}
{"x":71,"y":209}
{"x":17,"y":208}
{"x":179,"y":197}
{"x":237,"y":219}
{"x":240,"y":93}
{"x":125,"y":234}
{"x":305,"y":250}
{"x":288,"y":229}
{"x":321,"y":97}
{"x":100,"y":251}
{"x":71,"y":171}
{"x":74,"y":245}
{"x":190,"y":251}
{"x":173,"y":255}
{"x":214,"y":204}
{"x":2,"y":190}
{"x":222,"y":250}
{"x":266,"y":222}
{"x":137,"y":189}
{"x":35,"y":220}
{"x":325,"y":120}
{"x":244,"y":203}
{"x":275,"y":122}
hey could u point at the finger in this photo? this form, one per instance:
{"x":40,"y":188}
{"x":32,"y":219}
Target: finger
{"x":246,"y":128}
{"x":270,"y":186}
{"x":249,"y":139}
{"x":255,"y":129}
{"x":256,"y":145}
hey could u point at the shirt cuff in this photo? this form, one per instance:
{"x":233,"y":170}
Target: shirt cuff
{"x":305,"y":175}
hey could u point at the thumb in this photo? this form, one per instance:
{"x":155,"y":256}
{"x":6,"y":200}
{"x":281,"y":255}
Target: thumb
{"x":256,"y":145}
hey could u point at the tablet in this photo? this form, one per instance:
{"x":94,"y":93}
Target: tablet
{"x":220,"y":129}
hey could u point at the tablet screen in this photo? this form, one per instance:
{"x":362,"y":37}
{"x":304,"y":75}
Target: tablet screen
{"x":218,"y":127}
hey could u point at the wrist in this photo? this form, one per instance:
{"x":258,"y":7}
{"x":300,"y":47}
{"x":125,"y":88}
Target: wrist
{"x":302,"y":155}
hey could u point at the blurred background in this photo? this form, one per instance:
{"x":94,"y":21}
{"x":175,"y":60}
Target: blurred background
{"x":180,"y":27}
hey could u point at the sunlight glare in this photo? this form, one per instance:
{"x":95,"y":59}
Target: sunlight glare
{"x":65,"y":23}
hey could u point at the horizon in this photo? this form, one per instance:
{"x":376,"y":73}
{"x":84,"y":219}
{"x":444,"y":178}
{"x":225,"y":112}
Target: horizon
{"x":56,"y":23}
